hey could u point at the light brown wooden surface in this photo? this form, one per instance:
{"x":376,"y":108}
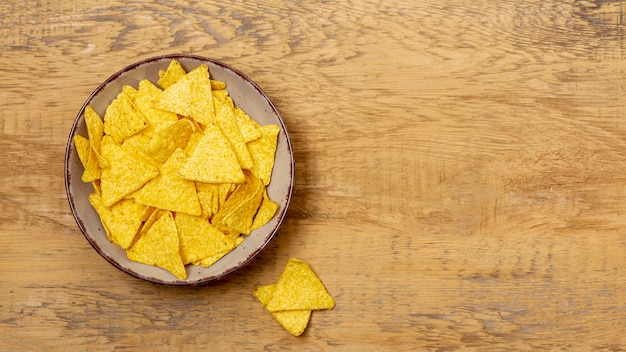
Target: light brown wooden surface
{"x":460,"y":174}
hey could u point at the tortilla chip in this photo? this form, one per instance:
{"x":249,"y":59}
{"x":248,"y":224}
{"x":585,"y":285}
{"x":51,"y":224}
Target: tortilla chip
{"x":207,"y":195}
{"x":126,"y":173}
{"x":212,"y":259}
{"x":122,"y":119}
{"x":266,"y":212}
{"x":236,"y":215}
{"x":88,"y":158}
{"x":225,"y":120}
{"x":294,"y":321}
{"x":147,"y":95}
{"x":190,"y":96}
{"x":122,"y":220}
{"x":250,"y":129}
{"x":299,"y":288}
{"x":159,"y":245}
{"x":170,"y":76}
{"x":166,"y":140}
{"x":199,"y":239}
{"x":212,"y":160}
{"x":95,"y":131}
{"x":170,"y":192}
{"x":263,"y":150}
{"x":217,"y":85}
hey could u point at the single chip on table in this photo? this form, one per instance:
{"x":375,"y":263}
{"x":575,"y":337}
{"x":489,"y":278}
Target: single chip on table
{"x":199,"y":239}
{"x":190,"y":96}
{"x":159,"y":245}
{"x":299,"y":288}
{"x":122,"y":119}
{"x":263,"y":150}
{"x":296,"y":294}
{"x":170,"y":192}
{"x":88,"y":158}
{"x":212,"y":160}
{"x":294,"y":321}
{"x":126,"y":173}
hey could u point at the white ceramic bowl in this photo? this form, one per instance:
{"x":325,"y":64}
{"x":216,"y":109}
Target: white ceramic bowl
{"x":245,"y":94}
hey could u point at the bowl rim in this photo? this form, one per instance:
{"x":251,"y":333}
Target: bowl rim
{"x":68,"y":177}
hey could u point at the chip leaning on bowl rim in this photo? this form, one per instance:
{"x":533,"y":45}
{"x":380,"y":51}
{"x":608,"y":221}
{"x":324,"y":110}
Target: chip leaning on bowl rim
{"x":246,"y":95}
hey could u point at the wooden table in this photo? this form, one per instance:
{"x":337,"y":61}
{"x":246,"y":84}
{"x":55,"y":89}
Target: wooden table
{"x":460,"y":174}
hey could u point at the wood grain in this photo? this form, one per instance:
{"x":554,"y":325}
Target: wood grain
{"x":460,"y":174}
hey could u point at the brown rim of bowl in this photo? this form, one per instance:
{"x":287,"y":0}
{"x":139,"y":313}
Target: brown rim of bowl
{"x":68,"y":180}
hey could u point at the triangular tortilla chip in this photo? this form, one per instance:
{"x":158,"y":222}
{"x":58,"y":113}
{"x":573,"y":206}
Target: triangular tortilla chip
{"x":190,"y":96}
{"x":147,"y":95}
{"x":212,"y":259}
{"x":126,"y":172}
{"x":208,"y":195}
{"x":294,"y":321}
{"x":170,"y":192}
{"x":122,"y":119}
{"x":212,"y":160}
{"x":236,"y":215}
{"x":166,"y":140}
{"x":173,"y":73}
{"x":158,"y":245}
{"x":250,"y":129}
{"x":266,"y":212}
{"x":95,"y":131}
{"x":225,"y":120}
{"x":199,"y":239}
{"x":88,"y":158}
{"x":263,"y":150}
{"x":299,"y":288}
{"x":122,"y":220}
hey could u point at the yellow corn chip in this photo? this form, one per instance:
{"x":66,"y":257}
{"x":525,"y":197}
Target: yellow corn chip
{"x":207,"y":195}
{"x":173,"y":73}
{"x":88,"y":158}
{"x":130,"y":91}
{"x":147,"y":95}
{"x":212,"y":160}
{"x":126,"y":172}
{"x":95,"y":131}
{"x":263,"y":150}
{"x":122,"y":119}
{"x":166,"y":140}
{"x":212,"y":259}
{"x":159,"y":245}
{"x":225,"y":120}
{"x":170,"y":192}
{"x":217,"y":85}
{"x":299,"y":288}
{"x":266,"y":212}
{"x":122,"y":220}
{"x":236,"y":215}
{"x":190,"y":96}
{"x":294,"y":321}
{"x":219,"y":94}
{"x":199,"y":239}
{"x":250,"y":130}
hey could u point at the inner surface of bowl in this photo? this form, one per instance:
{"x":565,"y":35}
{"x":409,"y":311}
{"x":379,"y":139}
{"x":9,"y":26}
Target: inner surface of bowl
{"x":245,"y":94}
